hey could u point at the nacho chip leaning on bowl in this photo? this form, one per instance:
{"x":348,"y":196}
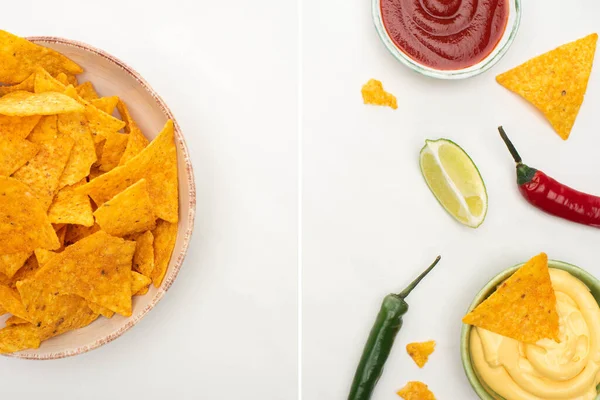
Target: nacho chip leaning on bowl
{"x":24,"y":225}
{"x":18,"y":337}
{"x":136,"y":139}
{"x":24,"y":104}
{"x":139,"y":282}
{"x":14,"y":153}
{"x":105,"y":312}
{"x":106,"y":104}
{"x":165,"y":236}
{"x":143,"y":258}
{"x":86,"y":91}
{"x":113,"y":150}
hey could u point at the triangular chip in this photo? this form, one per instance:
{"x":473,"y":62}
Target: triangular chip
{"x":165,"y":236}
{"x":97,"y":268}
{"x":555,"y":82}
{"x":128,"y":212}
{"x":18,"y":337}
{"x":105,"y":312}
{"x":46,"y":129}
{"x":17,"y":126}
{"x":416,"y":390}
{"x":14,"y":320}
{"x":86,"y":91}
{"x":143,"y":259}
{"x":42,"y":173}
{"x":523,"y":307}
{"x":106,"y":104}
{"x":157,"y":163}
{"x":139,"y":282}
{"x":14,"y":153}
{"x":44,"y":82}
{"x":373,"y":93}
{"x":24,"y":104}
{"x":25,"y":272}
{"x":10,"y":300}
{"x":26,"y":85}
{"x":70,"y":207}
{"x":10,"y":264}
{"x":113,"y":150}
{"x":136,"y":140}
{"x":77,"y":232}
{"x":420,"y":351}
{"x":62,"y":78}
{"x":24,"y":225}
{"x":43,"y":256}
{"x":19,"y":58}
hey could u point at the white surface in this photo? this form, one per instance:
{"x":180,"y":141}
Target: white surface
{"x":227,"y":327}
{"x":370,"y":222}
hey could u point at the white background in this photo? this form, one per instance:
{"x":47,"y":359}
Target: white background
{"x":370,"y":222}
{"x":227,"y":328}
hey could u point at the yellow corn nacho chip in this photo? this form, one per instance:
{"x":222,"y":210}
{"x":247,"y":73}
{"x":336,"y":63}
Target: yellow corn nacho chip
{"x":106,"y":104}
{"x":70,"y":207}
{"x":11,"y":302}
{"x":17,"y":126}
{"x":523,"y":307}
{"x":18,"y":337}
{"x":86,"y":91}
{"x":113,"y":150}
{"x":105,"y":312}
{"x":555,"y":82}
{"x":83,"y":154}
{"x":143,"y":258}
{"x":19,"y":59}
{"x":97,"y":268}
{"x":46,"y":129}
{"x":2,"y":310}
{"x":165,"y":236}
{"x":25,"y":272}
{"x":42,"y":173}
{"x":136,"y":140}
{"x":62,"y":78}
{"x":420,"y":351}
{"x":142,"y":291}
{"x":157,"y":163}
{"x":43,"y":256}
{"x":71,"y":80}
{"x":16,"y":321}
{"x":14,"y":153}
{"x":26,"y":85}
{"x":44,"y":82}
{"x":373,"y":93}
{"x":138,"y":282}
{"x":128,"y":212}
{"x":24,"y":104}
{"x":11,"y":263}
{"x":416,"y":390}
{"x":102,"y":124}
{"x":24,"y":225}
{"x":77,"y":232}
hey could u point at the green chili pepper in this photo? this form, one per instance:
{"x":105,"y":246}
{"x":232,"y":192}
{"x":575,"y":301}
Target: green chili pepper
{"x":381,"y":339}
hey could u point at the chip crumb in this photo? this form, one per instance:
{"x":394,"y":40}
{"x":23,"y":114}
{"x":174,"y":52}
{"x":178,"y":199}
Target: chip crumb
{"x":420,"y":351}
{"x":373,"y":93}
{"x":415,"y":390}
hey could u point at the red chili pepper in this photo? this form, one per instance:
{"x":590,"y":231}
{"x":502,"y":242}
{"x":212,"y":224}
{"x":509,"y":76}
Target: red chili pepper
{"x":551,"y":196}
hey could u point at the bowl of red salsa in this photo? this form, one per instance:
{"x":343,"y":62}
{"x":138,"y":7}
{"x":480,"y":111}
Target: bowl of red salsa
{"x":447,"y":39}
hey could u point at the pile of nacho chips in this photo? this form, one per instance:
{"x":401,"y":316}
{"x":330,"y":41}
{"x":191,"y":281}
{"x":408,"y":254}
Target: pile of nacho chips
{"x":88,"y":206}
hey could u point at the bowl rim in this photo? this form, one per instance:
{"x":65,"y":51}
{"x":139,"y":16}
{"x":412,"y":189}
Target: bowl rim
{"x":488,"y":62}
{"x":478,"y":386}
{"x":187,"y":235}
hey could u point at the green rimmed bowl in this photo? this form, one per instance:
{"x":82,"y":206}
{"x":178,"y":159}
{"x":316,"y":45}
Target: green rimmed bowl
{"x":482,"y":390}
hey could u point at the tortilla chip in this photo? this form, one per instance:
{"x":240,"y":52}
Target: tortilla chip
{"x":139,"y":282}
{"x":77,"y":232}
{"x":43,"y":256}
{"x":113,"y":150}
{"x":165,"y":235}
{"x":142,"y":291}
{"x":24,"y":104}
{"x":83,"y":154}
{"x":19,"y":59}
{"x":46,"y":129}
{"x":128,"y":212}
{"x":373,"y":93}
{"x":143,"y":259}
{"x":26,"y":85}
{"x":416,"y":390}
{"x":24,"y":225}
{"x":14,"y":320}
{"x":157,"y":163}
{"x":11,"y":302}
{"x":136,"y":140}
{"x":25,"y":272}
{"x":420,"y":352}
{"x":11,"y":263}
{"x":17,"y":126}
{"x":102,"y":124}
{"x":97,"y":268}
{"x":18,"y":337}
{"x":106,"y":104}
{"x":70,"y":207}
{"x":42,"y":172}
{"x":86,"y":91}
{"x":523,"y":307}
{"x":44,"y":82}
{"x":555,"y":82}
{"x":62,"y":78}
{"x":105,"y":312}
{"x":2,"y":311}
{"x":14,"y":153}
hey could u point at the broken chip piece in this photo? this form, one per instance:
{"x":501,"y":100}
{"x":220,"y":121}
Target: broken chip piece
{"x":373,"y":93}
{"x":420,"y":351}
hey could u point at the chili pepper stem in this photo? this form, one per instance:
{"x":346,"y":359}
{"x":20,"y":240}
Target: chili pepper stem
{"x":404,"y":294}
{"x":511,"y":147}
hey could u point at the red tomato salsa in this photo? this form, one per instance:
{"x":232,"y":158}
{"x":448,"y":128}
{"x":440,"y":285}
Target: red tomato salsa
{"x":445,"y":34}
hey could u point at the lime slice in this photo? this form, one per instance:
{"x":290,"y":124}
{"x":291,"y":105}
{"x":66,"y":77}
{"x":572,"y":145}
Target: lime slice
{"x":455,"y":181}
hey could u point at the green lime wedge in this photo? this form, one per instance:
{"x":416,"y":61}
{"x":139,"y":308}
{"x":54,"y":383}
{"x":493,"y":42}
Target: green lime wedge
{"x":455,"y":181}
